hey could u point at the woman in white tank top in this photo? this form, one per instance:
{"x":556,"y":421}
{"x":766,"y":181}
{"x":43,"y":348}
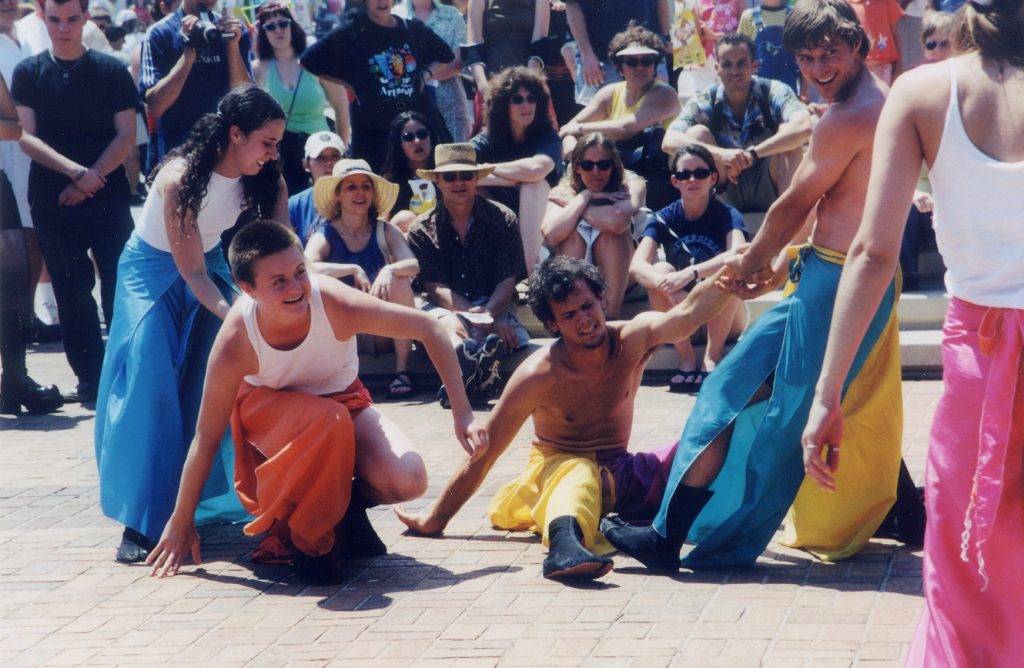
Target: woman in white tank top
{"x":173,"y":290}
{"x":965,"y":118}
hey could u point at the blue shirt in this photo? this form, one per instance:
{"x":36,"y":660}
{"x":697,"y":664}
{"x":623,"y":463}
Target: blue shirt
{"x":206,"y":84}
{"x":700,"y":239}
{"x":303,"y":215}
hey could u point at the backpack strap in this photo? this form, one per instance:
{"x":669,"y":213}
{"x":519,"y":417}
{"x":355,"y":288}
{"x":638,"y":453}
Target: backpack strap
{"x":764,"y":101}
{"x":755,"y":13}
{"x":715,"y":120}
{"x":382,"y":241}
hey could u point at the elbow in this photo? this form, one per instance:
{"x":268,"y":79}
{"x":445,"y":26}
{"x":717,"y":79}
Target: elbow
{"x":874,"y":256}
{"x":544,"y":166}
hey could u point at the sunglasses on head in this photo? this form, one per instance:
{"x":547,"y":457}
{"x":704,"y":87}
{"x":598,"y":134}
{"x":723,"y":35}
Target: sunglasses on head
{"x":274,"y":26}
{"x":452,"y":177}
{"x":519,"y":99}
{"x":639,"y":61}
{"x":700,"y":174}
{"x":409,"y":137}
{"x":590,"y":165}
{"x":933,"y":44}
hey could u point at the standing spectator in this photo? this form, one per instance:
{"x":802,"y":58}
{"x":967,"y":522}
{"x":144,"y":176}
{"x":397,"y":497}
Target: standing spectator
{"x":322,"y":151}
{"x":755,"y":128}
{"x":521,"y":144}
{"x":763,"y":23}
{"x":594,"y":23}
{"x":880,"y":19}
{"x":184,"y":75}
{"x":721,"y":18}
{"x":361,"y":249}
{"x":78,"y":141}
{"x":450,"y":26}
{"x":470,"y":259}
{"x":16,"y":388}
{"x":33,"y":32}
{"x":556,"y":56}
{"x":174,"y":289}
{"x":279,"y":41}
{"x":692,"y":69}
{"x":590,"y":214}
{"x":410,"y":148}
{"x":391,"y":64}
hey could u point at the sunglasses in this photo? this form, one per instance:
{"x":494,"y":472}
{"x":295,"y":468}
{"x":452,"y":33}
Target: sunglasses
{"x":410,"y":137}
{"x":452,"y":177}
{"x":274,"y":26}
{"x":519,"y":99}
{"x":933,"y":44}
{"x":642,"y":61}
{"x":591,"y":165}
{"x":700,"y":174}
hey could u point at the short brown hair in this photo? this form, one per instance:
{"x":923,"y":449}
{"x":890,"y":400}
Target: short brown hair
{"x":84,"y":4}
{"x":812,"y":23}
{"x":254,"y":242}
{"x":634,"y":34}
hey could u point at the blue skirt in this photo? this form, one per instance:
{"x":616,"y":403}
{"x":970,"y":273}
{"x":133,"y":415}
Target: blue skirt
{"x":150,"y":391}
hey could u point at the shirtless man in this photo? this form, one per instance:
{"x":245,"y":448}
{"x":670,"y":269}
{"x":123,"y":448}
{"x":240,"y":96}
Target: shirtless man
{"x":760,"y":396}
{"x":284,"y":372}
{"x":579,"y":391}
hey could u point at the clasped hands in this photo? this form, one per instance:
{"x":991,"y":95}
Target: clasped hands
{"x":84,"y":184}
{"x":746,"y":276}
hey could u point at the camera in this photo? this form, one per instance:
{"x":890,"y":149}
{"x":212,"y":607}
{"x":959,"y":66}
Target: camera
{"x":205,"y":33}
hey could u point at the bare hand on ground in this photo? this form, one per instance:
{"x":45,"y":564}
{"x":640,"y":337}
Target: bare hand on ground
{"x":178,"y":541}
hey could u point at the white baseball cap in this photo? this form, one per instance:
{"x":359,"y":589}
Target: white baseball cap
{"x":124,"y":16}
{"x":318,"y":141}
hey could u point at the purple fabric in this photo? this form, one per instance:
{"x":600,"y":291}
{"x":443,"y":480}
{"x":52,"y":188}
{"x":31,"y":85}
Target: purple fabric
{"x":639,"y":480}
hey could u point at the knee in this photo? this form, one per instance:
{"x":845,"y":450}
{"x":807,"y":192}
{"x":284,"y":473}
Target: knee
{"x":401,"y":291}
{"x":407,"y":483}
{"x":534,"y":189}
{"x":403,"y":219}
{"x":701,"y":133}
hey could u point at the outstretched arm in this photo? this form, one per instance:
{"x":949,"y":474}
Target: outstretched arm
{"x":703,"y":303}
{"x":515,"y":405}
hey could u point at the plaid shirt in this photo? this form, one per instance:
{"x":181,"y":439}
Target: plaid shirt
{"x":493,"y":250}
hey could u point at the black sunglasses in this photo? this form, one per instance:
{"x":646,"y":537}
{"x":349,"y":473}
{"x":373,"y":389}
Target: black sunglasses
{"x":283,"y":24}
{"x":589,"y":165}
{"x":409,"y":137}
{"x":519,"y":99}
{"x":700,"y":174}
{"x":642,"y":61}
{"x":452,"y":177}
{"x":933,"y":44}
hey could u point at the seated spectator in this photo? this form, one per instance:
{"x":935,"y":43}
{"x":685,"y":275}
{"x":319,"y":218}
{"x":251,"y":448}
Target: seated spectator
{"x":522,"y":147}
{"x":697,"y":233}
{"x":471,"y":258}
{"x":410,"y":147}
{"x":390,"y":63}
{"x":322,"y":150}
{"x":362,"y":250}
{"x":590,"y":214}
{"x":279,"y":41}
{"x":754,"y":128}
{"x":634,"y":112}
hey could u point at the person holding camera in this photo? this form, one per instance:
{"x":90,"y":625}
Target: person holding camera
{"x":190,"y":60}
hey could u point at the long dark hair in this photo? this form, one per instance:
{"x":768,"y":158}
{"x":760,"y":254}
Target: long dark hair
{"x":267,"y":11}
{"x":248,"y":108}
{"x":396,"y":166}
{"x":996,"y":32}
{"x":503,"y":86}
{"x":615,"y":179}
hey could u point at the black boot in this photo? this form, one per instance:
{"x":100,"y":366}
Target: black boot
{"x":567,"y":558}
{"x":354,"y":537}
{"x":134,"y":547}
{"x":906,"y":519}
{"x":318,"y":571}
{"x":659,"y":553}
{"x":16,"y":392}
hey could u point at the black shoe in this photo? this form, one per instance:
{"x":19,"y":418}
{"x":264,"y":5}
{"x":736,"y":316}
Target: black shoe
{"x":567,"y":558}
{"x":134,"y":547}
{"x":26,"y":392}
{"x":39,"y":332}
{"x":85,"y":393}
{"x":906,"y":519}
{"x":659,"y":553}
{"x":354,"y":536}
{"x":318,"y":571}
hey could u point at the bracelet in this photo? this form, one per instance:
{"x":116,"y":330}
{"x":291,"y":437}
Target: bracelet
{"x":752,"y":151}
{"x":79,"y":173}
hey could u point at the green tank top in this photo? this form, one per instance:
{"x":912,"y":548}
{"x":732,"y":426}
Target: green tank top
{"x":307,"y":113}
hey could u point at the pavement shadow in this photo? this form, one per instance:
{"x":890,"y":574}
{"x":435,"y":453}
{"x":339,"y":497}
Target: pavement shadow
{"x":48,"y":422}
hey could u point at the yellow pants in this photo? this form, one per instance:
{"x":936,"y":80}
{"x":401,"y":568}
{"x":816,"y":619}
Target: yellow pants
{"x":553,"y":485}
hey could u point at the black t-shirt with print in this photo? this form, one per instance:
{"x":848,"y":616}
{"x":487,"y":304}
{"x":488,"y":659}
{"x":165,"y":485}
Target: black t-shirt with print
{"x":74,"y":104}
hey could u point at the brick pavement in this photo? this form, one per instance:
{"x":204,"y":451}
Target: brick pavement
{"x":475,"y":597}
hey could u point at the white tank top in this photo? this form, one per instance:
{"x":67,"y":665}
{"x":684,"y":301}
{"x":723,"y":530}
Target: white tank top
{"x":978,"y":216}
{"x":320,"y":365}
{"x":219,"y":211}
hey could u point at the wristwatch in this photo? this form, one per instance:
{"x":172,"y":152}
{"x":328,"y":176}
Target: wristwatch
{"x":752,"y":151}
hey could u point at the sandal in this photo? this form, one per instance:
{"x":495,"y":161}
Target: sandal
{"x":685,"y":381}
{"x":401,"y":386}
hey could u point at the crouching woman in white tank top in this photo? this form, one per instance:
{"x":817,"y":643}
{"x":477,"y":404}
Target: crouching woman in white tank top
{"x":284,"y":372}
{"x":965,"y":118}
{"x":173,"y":290}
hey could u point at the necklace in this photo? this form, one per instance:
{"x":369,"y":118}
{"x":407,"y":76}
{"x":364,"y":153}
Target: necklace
{"x":65,"y":72}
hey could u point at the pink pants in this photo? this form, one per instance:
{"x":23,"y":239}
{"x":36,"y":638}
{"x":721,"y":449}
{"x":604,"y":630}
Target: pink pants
{"x":974,"y":493}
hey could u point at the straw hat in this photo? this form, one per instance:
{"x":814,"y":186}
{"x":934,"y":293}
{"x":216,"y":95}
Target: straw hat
{"x":384,"y":192}
{"x":454,"y":158}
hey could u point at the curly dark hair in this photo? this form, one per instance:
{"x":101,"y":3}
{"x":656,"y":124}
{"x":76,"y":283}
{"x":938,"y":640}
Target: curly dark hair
{"x":618,"y":175}
{"x":269,"y":10}
{"x":248,"y":108}
{"x":396,"y":166}
{"x":634,"y":34}
{"x":555,"y":280}
{"x":503,"y":86}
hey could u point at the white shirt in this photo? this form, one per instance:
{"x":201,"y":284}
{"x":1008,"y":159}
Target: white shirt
{"x":13,"y":160}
